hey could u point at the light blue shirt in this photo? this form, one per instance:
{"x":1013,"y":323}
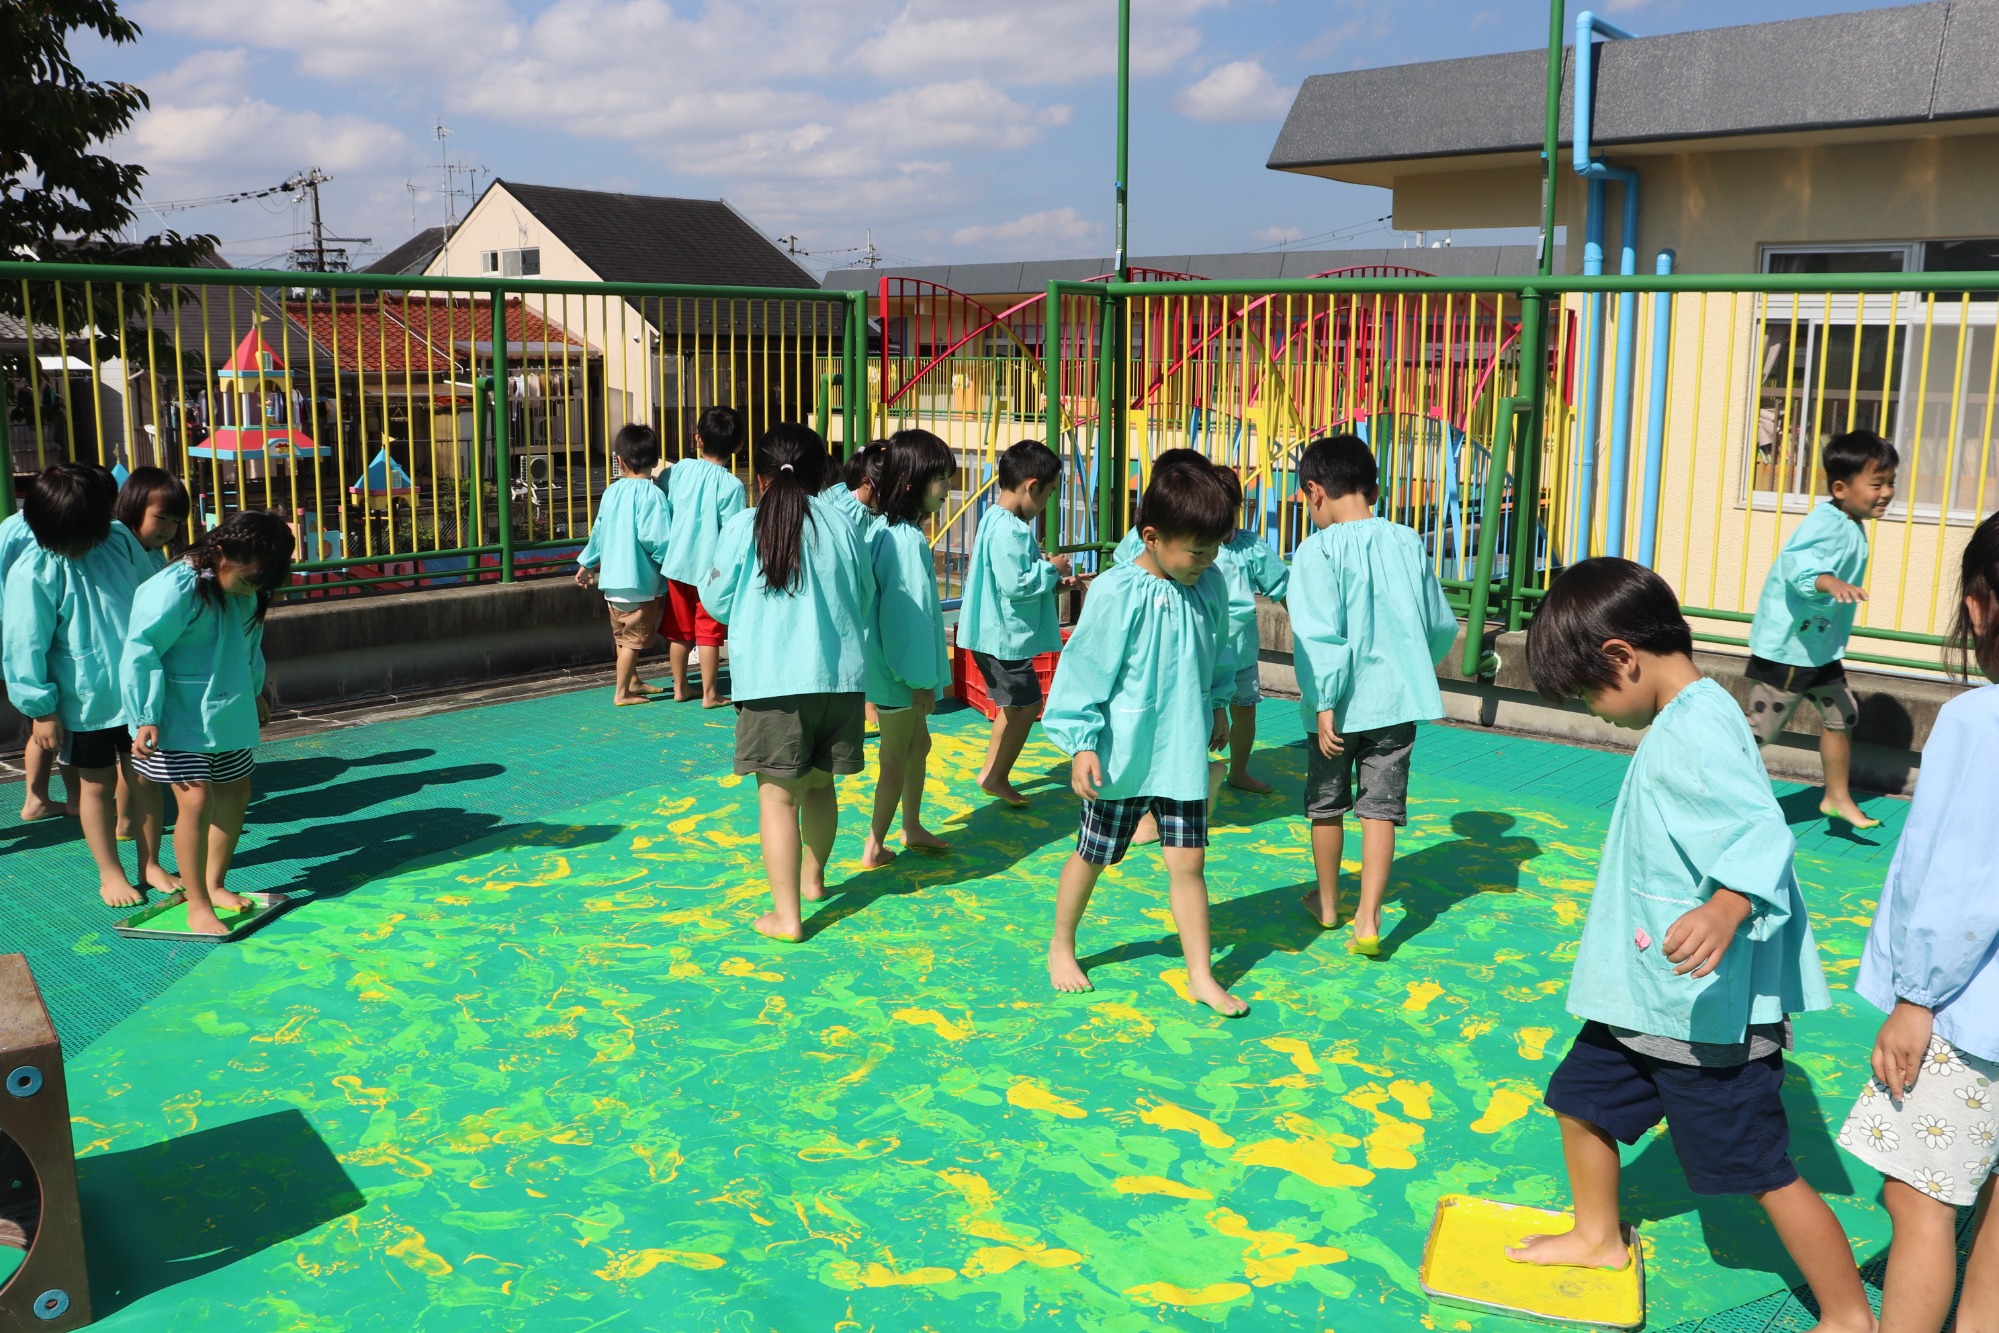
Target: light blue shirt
{"x":16,"y":539}
{"x":628,"y":542}
{"x":1369,"y":624}
{"x":1249,"y":566}
{"x":65,"y":624}
{"x":1796,"y":623}
{"x":866,"y":521}
{"x":1937,"y":927}
{"x":1140,"y":679}
{"x":809,"y":640}
{"x":1009,"y":606}
{"x":906,"y":635}
{"x":1696,"y":814}
{"x":703,"y":497}
{"x":192,"y":668}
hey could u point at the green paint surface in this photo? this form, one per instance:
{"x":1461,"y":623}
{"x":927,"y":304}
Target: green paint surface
{"x":547,"y":1077}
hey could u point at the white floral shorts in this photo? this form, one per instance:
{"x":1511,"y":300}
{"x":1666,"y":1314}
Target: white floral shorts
{"x":1942,"y":1137}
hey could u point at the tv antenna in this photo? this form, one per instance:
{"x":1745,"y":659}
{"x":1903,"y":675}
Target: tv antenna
{"x":449,"y":173}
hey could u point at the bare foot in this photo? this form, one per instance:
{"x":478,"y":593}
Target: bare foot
{"x":646,"y":687}
{"x":1249,"y":783}
{"x":1319,"y":914}
{"x":36,"y":808}
{"x":769,"y":926}
{"x":627,"y":700}
{"x":203,"y":921}
{"x":715,"y":701}
{"x":160,"y":881}
{"x":1147,"y":831}
{"x":1850,"y":811}
{"x":1001,"y":789}
{"x":1367,"y":928}
{"x":234,"y":902}
{"x":123,"y":833}
{"x":814,"y":893}
{"x":875,"y":853}
{"x":1568,"y":1250}
{"x":117,"y":893}
{"x":1066,"y":974}
{"x":681,"y":694}
{"x":1210,"y":993}
{"x":924,"y":839}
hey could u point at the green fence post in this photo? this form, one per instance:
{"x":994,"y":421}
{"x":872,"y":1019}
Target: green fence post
{"x":482,"y":439}
{"x":1051,"y":409}
{"x":854,"y":374}
{"x":822,"y":410}
{"x":1113,"y":469}
{"x":1527,"y":474}
{"x":1496,"y":468}
{"x":503,"y":484}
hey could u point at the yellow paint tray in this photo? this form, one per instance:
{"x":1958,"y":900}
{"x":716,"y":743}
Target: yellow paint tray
{"x":167,"y":919}
{"x":1465,"y":1263}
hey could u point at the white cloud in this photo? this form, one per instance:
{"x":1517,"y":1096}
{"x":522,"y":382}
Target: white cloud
{"x":1279,"y":235}
{"x":1032,"y":41}
{"x":1039,"y":233}
{"x":1239,"y":90}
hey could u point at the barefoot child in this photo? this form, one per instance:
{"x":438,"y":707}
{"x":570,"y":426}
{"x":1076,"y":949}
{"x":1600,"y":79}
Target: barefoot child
{"x":193,"y":678}
{"x":1929,"y":1118}
{"x":705,"y":494}
{"x":1369,"y":624}
{"x":153,"y":506}
{"x":40,"y":765}
{"x":1140,"y":697}
{"x":1806,"y":612}
{"x":1696,"y":950}
{"x":627,"y":547}
{"x":908,"y":663}
{"x":1252,"y":566}
{"x":67,"y":604}
{"x":1008,"y":615}
{"x":790,"y":580}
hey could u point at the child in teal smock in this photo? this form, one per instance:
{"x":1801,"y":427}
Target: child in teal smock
{"x":705,"y":494}
{"x":908,"y":664}
{"x":792,"y":584}
{"x":193,"y":682}
{"x":1697,"y":947}
{"x":1805,"y":614}
{"x":40,"y":764}
{"x":1140,"y":697}
{"x":1008,"y":615}
{"x":627,"y":547}
{"x":859,"y":492}
{"x":67,"y":601}
{"x":1369,"y":624}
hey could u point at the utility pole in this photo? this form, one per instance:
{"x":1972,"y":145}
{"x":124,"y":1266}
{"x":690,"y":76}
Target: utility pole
{"x":313,"y":257}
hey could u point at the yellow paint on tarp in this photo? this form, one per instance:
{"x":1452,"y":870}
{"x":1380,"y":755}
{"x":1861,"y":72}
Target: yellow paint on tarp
{"x":1300,"y":1053}
{"x":628,"y":1264}
{"x":1001,"y":1258}
{"x":1158,"y":1185}
{"x":1166,"y":1115}
{"x":1388,"y":1147}
{"x":1271,"y":1256}
{"x":1534,"y":1042}
{"x":930,"y":1018}
{"x":1413,"y":1097}
{"x":410,"y":1248}
{"x":1420,"y":995}
{"x":847,"y":1273}
{"x":1176,"y":977}
{"x":1311,"y":1159}
{"x":1165,"y":1293}
{"x":1506,"y":1105}
{"x":743,"y":967}
{"x":978,"y":1194}
{"x":1030,"y":1094}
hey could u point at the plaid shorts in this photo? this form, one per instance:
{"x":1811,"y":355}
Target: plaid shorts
{"x":1107,"y":826}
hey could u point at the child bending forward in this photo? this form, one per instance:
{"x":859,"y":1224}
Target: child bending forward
{"x":1696,"y":950}
{"x":1140,"y":697}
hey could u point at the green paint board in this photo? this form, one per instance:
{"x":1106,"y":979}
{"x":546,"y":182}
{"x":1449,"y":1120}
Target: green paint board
{"x":167,"y":919}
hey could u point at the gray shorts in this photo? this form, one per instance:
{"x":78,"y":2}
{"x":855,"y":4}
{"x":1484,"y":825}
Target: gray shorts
{"x":1775,"y":691}
{"x":1249,"y":686}
{"x":1010,"y":683}
{"x":1370,"y":779}
{"x":790,"y":737}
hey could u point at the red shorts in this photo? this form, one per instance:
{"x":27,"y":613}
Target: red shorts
{"x":687,"y":621}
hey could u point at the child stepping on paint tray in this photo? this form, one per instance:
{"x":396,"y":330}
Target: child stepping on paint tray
{"x":1805,"y":614}
{"x":704,"y":494}
{"x":1369,"y":624}
{"x":1140,"y":697}
{"x":1697,"y":948}
{"x":627,"y":547}
{"x":1008,"y":616}
{"x":1929,"y":1118}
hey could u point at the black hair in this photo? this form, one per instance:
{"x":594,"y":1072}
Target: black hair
{"x":865,"y":467}
{"x":1847,"y":456}
{"x":1595,"y":601}
{"x":636,"y":446}
{"x":255,"y":537}
{"x":792,"y":461}
{"x":1187,"y":502}
{"x":107,"y":480}
{"x":146,"y":487}
{"x":1979,"y":579}
{"x":1340,"y":464}
{"x":1030,"y":460}
{"x":720,"y":431}
{"x":1181,"y":458}
{"x":69,"y":510}
{"x":1231,"y":481}
{"x":915,"y":459}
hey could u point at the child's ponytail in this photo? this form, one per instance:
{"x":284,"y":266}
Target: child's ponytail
{"x":791,"y":463}
{"x":1979,"y":582}
{"x":256,"y":538}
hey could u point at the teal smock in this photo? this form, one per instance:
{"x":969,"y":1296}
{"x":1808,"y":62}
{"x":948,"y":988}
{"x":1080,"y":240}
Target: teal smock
{"x":192,"y":668}
{"x":1369,"y":624}
{"x":906,"y":634}
{"x":810,"y":640}
{"x":65,"y":622}
{"x":1936,"y":932}
{"x":1796,"y":624}
{"x":1008,"y":610}
{"x":703,"y":497}
{"x":1249,"y":566}
{"x":16,"y":540}
{"x":628,"y":542}
{"x":866,"y":521}
{"x":1696,"y":813}
{"x":1140,"y":679}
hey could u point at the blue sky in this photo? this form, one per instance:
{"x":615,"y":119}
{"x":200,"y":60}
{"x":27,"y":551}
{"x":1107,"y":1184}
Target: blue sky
{"x":949,"y":130}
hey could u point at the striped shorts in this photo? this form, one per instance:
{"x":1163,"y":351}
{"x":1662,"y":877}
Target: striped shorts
{"x":183,"y":766}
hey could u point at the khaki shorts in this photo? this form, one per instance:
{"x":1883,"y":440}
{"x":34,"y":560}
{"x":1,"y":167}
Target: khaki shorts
{"x":790,"y":737}
{"x":635,"y":625}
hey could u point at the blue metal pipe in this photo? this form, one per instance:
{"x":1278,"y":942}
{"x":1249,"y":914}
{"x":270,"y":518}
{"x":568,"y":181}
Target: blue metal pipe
{"x":1597,"y":173}
{"x":1655,"y":424}
{"x":1627,"y":355}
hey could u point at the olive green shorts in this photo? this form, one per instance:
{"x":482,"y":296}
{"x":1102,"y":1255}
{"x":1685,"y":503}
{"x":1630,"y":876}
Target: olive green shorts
{"x":792,"y":736}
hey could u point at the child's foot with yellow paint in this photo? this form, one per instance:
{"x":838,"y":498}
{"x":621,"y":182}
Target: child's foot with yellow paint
{"x":1249,"y":782}
{"x":772,"y":926}
{"x":1001,"y":790}
{"x":1850,"y":811}
{"x":1325,"y":912}
{"x":627,"y":700}
{"x":1066,"y":974}
{"x":1571,"y":1250}
{"x":923,"y":839}
{"x":875,"y":853}
{"x":647,"y":688}
{"x":117,"y":893}
{"x":1210,"y":992}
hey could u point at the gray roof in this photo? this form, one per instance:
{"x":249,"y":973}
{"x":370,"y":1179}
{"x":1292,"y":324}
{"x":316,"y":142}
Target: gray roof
{"x":1907,"y":65}
{"x":1035,"y":275}
{"x":413,"y":255}
{"x":650,"y":238}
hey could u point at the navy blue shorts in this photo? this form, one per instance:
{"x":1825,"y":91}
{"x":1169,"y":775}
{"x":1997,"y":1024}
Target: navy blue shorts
{"x":1727,"y":1125}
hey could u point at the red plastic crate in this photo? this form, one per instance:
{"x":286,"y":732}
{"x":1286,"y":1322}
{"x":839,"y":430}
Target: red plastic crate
{"x":969,"y":685}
